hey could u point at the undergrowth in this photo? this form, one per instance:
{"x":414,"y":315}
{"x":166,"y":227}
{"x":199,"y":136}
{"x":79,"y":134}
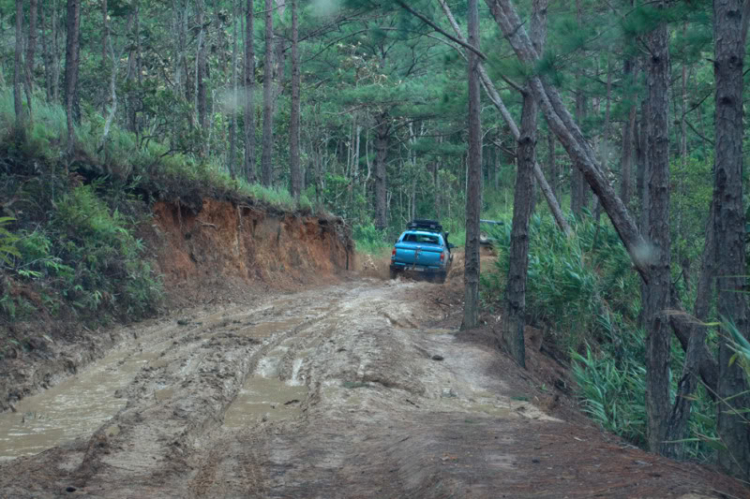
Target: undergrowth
{"x":70,"y":246}
{"x":582,"y":291}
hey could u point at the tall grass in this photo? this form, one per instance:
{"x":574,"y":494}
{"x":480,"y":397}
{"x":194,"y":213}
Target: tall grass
{"x":583,"y":291}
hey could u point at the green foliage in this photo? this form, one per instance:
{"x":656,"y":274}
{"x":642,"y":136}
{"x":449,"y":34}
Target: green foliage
{"x":613,"y":395}
{"x":583,"y":285}
{"x":87,"y":255}
{"x":8,"y":242}
{"x":369,"y":239}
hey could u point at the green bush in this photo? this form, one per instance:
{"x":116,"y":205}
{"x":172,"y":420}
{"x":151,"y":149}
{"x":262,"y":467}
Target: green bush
{"x":369,"y":239}
{"x":582,"y":285}
{"x":86,"y":254}
{"x":8,"y":241}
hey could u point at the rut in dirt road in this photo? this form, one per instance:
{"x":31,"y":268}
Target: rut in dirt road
{"x":338,"y":392}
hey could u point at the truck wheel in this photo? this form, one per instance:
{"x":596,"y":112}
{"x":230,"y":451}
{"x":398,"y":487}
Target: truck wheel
{"x":394,"y":273}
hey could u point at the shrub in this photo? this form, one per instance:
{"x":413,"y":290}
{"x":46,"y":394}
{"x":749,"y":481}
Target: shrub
{"x":369,"y":239}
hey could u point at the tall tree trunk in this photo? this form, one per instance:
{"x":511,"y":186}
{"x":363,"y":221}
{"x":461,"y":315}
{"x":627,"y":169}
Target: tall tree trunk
{"x":658,"y":404}
{"x":18,"y":72}
{"x":641,"y":141}
{"x":730,"y":30}
{"x":513,"y":321}
{"x":249,"y":93}
{"x":474,"y":182}
{"x":30,"y":56}
{"x":202,"y":67}
{"x":577,"y":183}
{"x":105,"y":35}
{"x":232,"y":156}
{"x":56,"y":51}
{"x":71,"y":67}
{"x":382,"y":131}
{"x":294,"y":125}
{"x":628,"y":132}
{"x":267,"y":142}
{"x":46,"y":53}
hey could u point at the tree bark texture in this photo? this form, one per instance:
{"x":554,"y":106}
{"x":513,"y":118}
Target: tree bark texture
{"x":267,"y":142}
{"x":656,"y":303}
{"x":18,"y":72}
{"x":202,"y":63}
{"x":474,"y":182}
{"x":249,"y":93}
{"x":628,"y":133}
{"x":729,"y":225}
{"x":71,"y":67}
{"x":514,"y":321}
{"x":382,"y":131}
{"x":31,"y":56}
{"x":294,"y":118}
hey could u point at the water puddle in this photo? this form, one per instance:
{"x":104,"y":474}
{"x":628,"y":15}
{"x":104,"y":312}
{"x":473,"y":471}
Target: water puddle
{"x":74,"y":408}
{"x":264,"y":399}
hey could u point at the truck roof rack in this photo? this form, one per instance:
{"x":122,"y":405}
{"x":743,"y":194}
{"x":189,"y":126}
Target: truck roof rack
{"x":424,"y":224}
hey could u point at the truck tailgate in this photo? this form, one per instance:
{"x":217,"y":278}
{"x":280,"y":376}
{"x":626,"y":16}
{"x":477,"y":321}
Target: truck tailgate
{"x":427,"y":255}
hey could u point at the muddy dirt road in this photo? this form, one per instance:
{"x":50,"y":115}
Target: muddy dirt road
{"x":342,"y":392}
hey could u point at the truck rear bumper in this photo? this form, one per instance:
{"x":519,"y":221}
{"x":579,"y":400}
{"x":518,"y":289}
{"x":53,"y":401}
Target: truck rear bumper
{"x":402,"y":267}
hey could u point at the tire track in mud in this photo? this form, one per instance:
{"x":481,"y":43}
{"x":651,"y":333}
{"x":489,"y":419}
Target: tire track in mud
{"x":172,"y":402}
{"x":391,"y":410}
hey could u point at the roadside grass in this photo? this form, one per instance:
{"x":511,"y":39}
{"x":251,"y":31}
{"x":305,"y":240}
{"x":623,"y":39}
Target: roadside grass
{"x":582,"y":292}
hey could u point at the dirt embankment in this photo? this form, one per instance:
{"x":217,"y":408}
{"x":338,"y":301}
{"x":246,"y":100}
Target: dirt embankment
{"x":207,"y":252}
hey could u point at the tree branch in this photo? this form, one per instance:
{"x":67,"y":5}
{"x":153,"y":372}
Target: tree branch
{"x":437,"y":28}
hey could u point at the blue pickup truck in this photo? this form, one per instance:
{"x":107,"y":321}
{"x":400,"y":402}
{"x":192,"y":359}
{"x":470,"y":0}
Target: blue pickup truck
{"x":423,"y":248}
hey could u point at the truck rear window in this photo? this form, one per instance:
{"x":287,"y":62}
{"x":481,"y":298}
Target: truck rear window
{"x":421,"y":238}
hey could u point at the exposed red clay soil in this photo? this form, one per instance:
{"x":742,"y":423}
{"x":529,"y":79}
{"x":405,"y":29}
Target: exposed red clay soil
{"x":225,"y":247}
{"x":219,"y":252}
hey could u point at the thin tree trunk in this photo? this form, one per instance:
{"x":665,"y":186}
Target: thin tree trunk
{"x":232,"y":156}
{"x":105,"y":35}
{"x":294,"y":125}
{"x":474,"y":174}
{"x":46,"y":53}
{"x":56,"y":52}
{"x":577,"y":183}
{"x":730,"y":30}
{"x":267,"y":142}
{"x":494,"y":96}
{"x":18,"y":72}
{"x":628,"y":131}
{"x":30,"y":56}
{"x":249,"y":93}
{"x":201,"y":70}
{"x":658,"y":404}
{"x":71,"y":68}
{"x":382,"y":131}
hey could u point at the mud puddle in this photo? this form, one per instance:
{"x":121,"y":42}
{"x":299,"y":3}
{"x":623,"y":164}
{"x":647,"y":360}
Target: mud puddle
{"x":74,"y":408}
{"x":264,"y":399}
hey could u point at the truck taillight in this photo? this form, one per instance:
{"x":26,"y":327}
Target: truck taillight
{"x":393,"y":253}
{"x":442,"y":257}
